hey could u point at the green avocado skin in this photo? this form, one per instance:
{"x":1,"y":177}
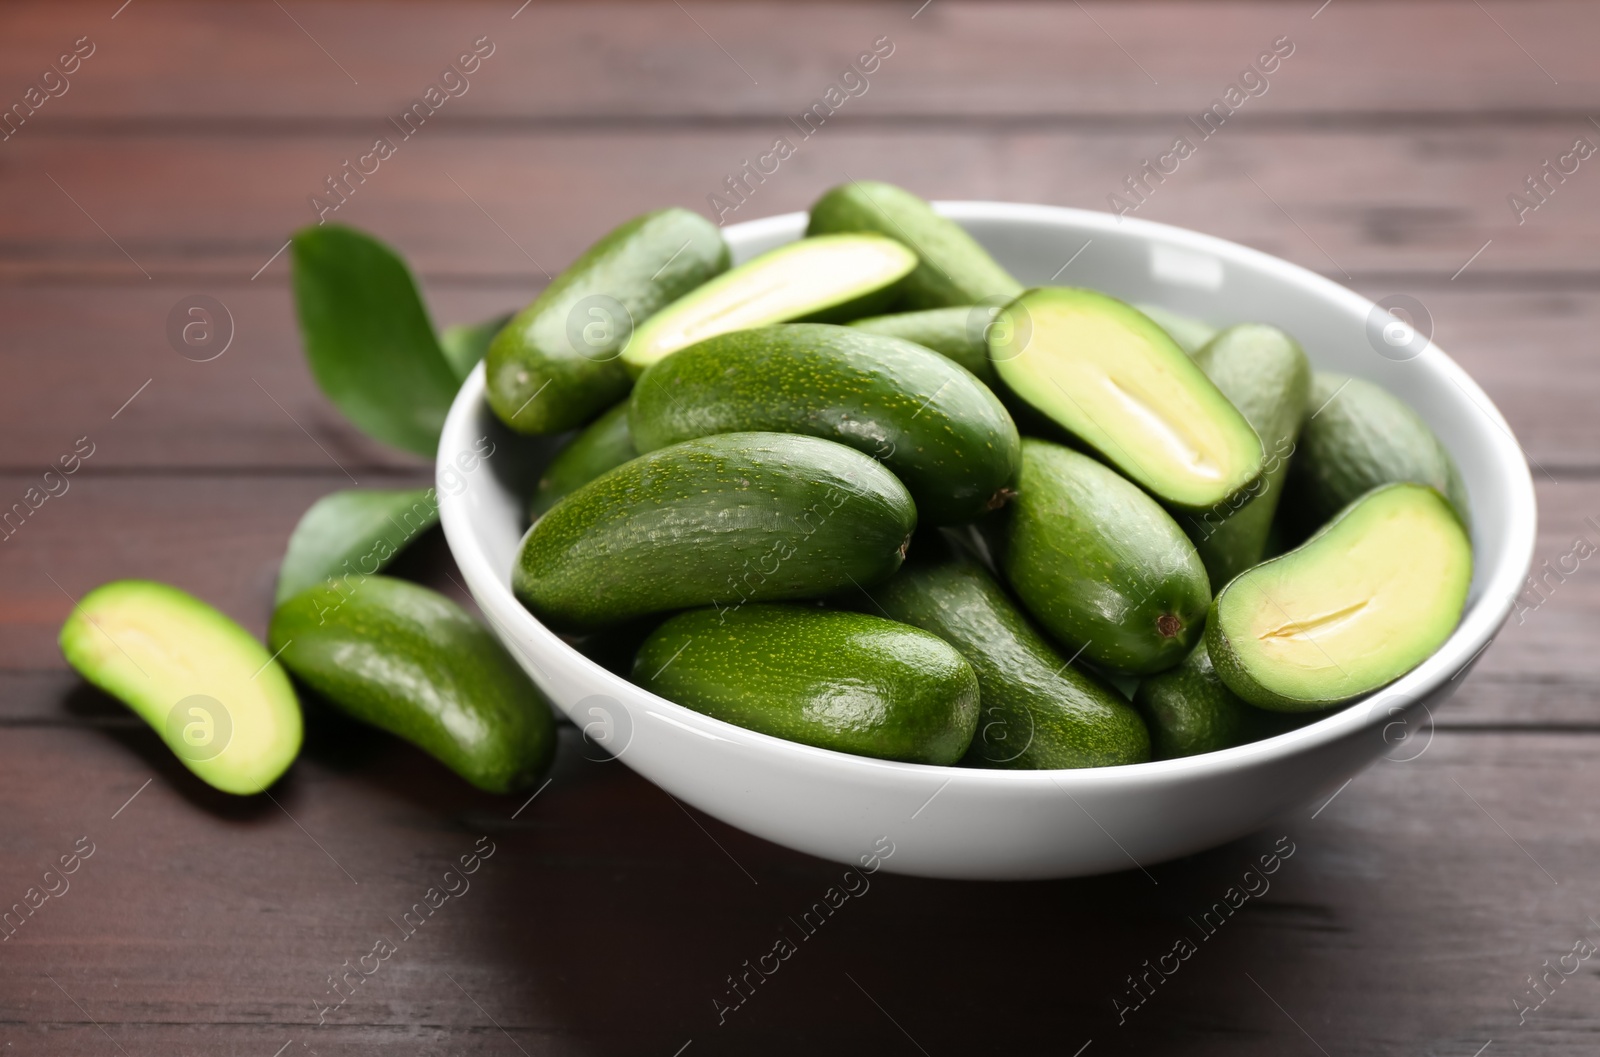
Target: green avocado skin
{"x":1191,"y":334}
{"x":837,"y":680}
{"x":412,"y":662}
{"x":1037,"y":710}
{"x":939,"y":429}
{"x":1361,"y":436}
{"x":602,"y":445}
{"x":1266,"y":375}
{"x":715,"y":521}
{"x":1190,"y":710}
{"x":953,"y":268}
{"x":1100,"y":564}
{"x":556,"y":364}
{"x":957,"y":333}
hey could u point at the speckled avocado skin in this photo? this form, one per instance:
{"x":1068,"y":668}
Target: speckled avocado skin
{"x":556,"y":365}
{"x":954,"y":268}
{"x":1362,"y":436}
{"x":938,"y":428}
{"x":1100,"y":564}
{"x":1038,"y":711}
{"x":837,"y":680}
{"x":602,"y":445}
{"x":721,"y":520}
{"x":1266,"y":375}
{"x":412,"y":662}
{"x":957,"y":333}
{"x":1190,"y":710}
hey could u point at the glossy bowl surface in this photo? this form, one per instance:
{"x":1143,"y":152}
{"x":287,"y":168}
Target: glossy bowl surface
{"x":967,"y":823}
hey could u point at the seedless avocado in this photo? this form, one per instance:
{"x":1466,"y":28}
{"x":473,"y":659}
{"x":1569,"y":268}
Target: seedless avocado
{"x":717,"y":521}
{"x":218,"y":699}
{"x":959,"y":333}
{"x":1191,"y":334}
{"x":1107,"y":572}
{"x":602,"y":445}
{"x":1365,"y":600}
{"x":1266,"y":375}
{"x":1190,"y":710}
{"x":939,"y":429}
{"x":1038,"y":710}
{"x":1107,"y":374}
{"x":833,"y":278}
{"x":836,"y":680}
{"x":555,"y":365}
{"x":410,"y":661}
{"x":1361,"y":436}
{"x":952,"y":269}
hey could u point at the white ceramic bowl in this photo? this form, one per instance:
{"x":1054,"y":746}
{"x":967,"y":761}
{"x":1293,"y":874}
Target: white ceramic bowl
{"x":968,"y":823}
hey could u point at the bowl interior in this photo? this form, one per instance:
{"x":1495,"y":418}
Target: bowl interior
{"x":1138,"y":261}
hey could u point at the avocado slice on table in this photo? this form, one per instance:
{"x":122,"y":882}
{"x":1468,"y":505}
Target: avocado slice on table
{"x":218,"y":699}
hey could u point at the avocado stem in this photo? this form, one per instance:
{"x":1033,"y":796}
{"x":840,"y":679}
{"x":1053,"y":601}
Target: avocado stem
{"x":1168,"y":625}
{"x":1000,"y":498}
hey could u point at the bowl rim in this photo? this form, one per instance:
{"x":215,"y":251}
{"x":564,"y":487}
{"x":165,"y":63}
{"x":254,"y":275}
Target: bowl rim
{"x":1478,"y":626}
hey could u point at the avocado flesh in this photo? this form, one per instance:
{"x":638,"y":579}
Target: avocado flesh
{"x":1354,"y":608}
{"x":213,"y":693}
{"x":1107,"y":373}
{"x":798,"y":280}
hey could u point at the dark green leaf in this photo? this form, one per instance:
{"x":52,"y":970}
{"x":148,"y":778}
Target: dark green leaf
{"x":354,"y":532}
{"x":465,"y":344}
{"x":368,"y":337}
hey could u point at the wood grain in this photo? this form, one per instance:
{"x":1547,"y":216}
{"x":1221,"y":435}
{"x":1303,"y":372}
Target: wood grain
{"x":1420,"y":199}
{"x":1404,"y":921}
{"x":247,"y":407}
{"x":715,"y":61}
{"x":1420,"y":896}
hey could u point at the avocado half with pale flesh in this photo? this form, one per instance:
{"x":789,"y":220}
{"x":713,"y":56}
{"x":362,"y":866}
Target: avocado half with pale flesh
{"x":1108,"y":374}
{"x":1359,"y":604}
{"x":825,"y":278}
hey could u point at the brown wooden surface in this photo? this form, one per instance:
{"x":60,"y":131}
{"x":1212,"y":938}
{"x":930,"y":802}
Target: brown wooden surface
{"x":1417,"y":901}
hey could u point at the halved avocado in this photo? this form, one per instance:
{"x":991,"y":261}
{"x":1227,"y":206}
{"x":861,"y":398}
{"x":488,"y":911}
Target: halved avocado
{"x":1355,"y":607}
{"x":220,"y":701}
{"x":826,"y":278}
{"x":1112,"y":377}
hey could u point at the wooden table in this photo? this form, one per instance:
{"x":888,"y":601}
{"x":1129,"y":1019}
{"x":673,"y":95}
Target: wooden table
{"x":1382,"y":152}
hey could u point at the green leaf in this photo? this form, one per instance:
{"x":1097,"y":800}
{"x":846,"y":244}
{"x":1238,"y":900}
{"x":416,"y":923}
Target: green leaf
{"x":465,"y":344}
{"x":354,"y":532}
{"x":368,"y":337}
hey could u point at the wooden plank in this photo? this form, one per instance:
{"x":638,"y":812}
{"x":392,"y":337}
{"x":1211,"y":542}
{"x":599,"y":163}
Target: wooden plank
{"x":254,"y":405}
{"x":1339,"y":201}
{"x":222,"y":537}
{"x":1404,"y":921}
{"x":246,"y":408}
{"x":555,"y":61}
